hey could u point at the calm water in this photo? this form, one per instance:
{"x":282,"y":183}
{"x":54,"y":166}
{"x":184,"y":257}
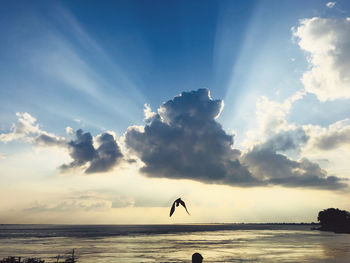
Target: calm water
{"x":176,"y":243}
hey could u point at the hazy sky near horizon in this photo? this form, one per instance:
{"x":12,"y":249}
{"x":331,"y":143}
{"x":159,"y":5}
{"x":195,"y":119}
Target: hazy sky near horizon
{"x":111,"y":110}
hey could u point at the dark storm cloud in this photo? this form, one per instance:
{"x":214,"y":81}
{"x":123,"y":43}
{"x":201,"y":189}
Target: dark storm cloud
{"x":101,"y":159}
{"x":277,"y":169}
{"x":184,"y":141}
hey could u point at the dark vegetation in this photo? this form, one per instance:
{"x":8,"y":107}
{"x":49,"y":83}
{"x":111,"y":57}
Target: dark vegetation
{"x":335,"y":220}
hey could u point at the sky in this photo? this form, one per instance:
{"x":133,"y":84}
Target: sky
{"x":111,"y":110}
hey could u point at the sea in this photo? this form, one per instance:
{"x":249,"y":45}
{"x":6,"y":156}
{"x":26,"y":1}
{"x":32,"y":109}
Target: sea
{"x":175,"y":243}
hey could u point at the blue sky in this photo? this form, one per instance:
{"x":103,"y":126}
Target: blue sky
{"x":139,"y":53}
{"x":94,"y":65}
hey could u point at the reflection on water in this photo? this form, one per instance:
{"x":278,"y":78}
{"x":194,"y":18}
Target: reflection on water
{"x":282,"y":245}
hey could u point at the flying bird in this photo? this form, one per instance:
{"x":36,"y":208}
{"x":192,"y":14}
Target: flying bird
{"x":177,"y":202}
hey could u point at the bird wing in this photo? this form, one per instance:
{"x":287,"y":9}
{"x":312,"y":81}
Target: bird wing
{"x":183,"y":204}
{"x":172,"y":209}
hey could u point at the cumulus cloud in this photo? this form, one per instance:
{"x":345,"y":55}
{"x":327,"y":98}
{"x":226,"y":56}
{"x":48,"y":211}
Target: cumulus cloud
{"x":94,"y":159}
{"x":327,"y":41}
{"x":272,"y":114}
{"x":95,"y":155}
{"x":332,"y":137}
{"x":272,"y":119}
{"x":107,"y":154}
{"x":25,"y":127}
{"x":285,"y":141}
{"x":269,"y":149}
{"x":184,"y":141}
{"x":28,"y":130}
{"x":277,"y":169}
{"x":149,"y":114}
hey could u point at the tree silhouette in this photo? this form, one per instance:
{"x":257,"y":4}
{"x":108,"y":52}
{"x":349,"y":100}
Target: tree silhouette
{"x":334,"y":219}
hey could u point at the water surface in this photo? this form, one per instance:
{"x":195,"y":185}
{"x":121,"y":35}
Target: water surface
{"x":176,"y":243}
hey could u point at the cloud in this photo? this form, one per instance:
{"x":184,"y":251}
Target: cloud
{"x":150,"y":201}
{"x":71,"y":205}
{"x":120,"y":202}
{"x":333,"y":137}
{"x":184,"y":141}
{"x":269,"y":149}
{"x":100,"y":159}
{"x":284,"y":141}
{"x":108,"y":153}
{"x":330,"y":4}
{"x":28,"y":130}
{"x":272,"y":115}
{"x":46,"y":139}
{"x":328,"y":43}
{"x":277,"y":169}
{"x":272,"y":119}
{"x":149,"y":114}
{"x":25,"y":127}
{"x":69,"y":130}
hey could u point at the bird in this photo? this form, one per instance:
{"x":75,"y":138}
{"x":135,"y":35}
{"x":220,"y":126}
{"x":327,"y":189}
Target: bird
{"x":177,"y":202}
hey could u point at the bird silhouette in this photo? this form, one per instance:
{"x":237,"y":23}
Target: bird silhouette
{"x":177,"y":202}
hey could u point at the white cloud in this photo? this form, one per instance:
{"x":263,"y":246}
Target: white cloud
{"x":330,"y":4}
{"x":25,"y":127}
{"x":272,"y":115}
{"x":328,"y":43}
{"x":28,"y":130}
{"x":330,"y":145}
{"x":335,"y":136}
{"x":289,"y":153}
{"x":147,"y":111}
{"x":272,"y":118}
{"x":69,"y":130}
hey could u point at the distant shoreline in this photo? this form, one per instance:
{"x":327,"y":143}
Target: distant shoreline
{"x":195,"y":224}
{"x":47,"y":231}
